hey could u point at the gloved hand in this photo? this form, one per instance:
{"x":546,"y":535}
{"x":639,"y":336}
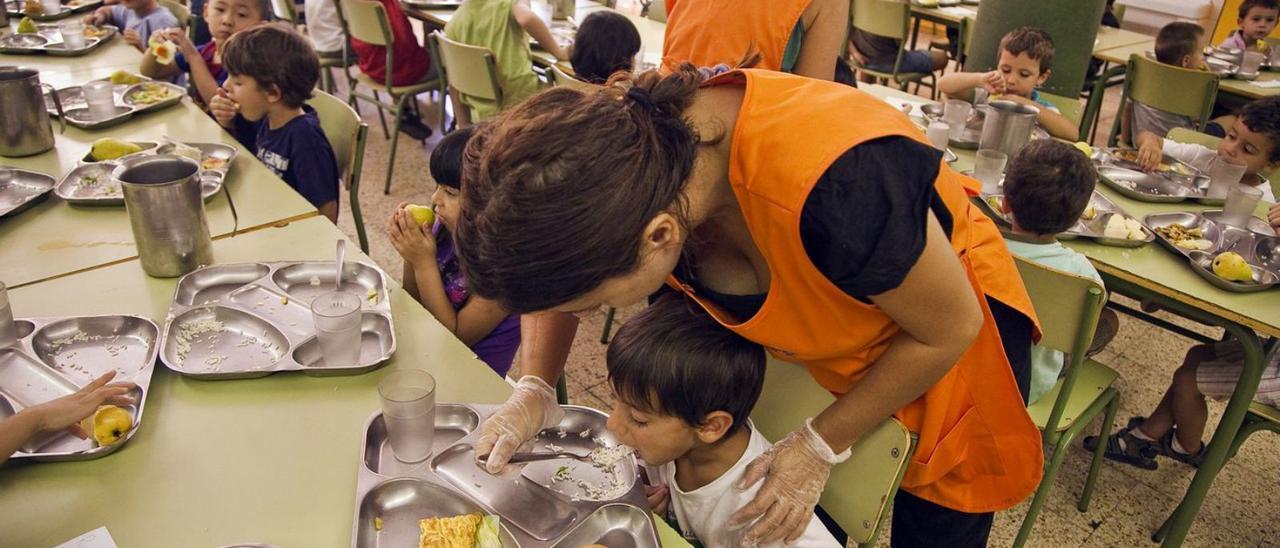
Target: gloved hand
{"x":531,"y":408}
{"x":795,"y":471}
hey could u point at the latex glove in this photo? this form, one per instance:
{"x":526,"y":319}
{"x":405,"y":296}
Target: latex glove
{"x":531,"y":408}
{"x":795,"y":471}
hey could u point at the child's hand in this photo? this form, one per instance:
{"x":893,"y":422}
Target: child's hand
{"x":993,"y":82}
{"x":1273,"y":216}
{"x":132,"y":38}
{"x":179,"y":38}
{"x":1150,"y":154}
{"x":414,"y":243}
{"x":223,"y":109}
{"x":66,"y":412}
{"x":658,"y":496}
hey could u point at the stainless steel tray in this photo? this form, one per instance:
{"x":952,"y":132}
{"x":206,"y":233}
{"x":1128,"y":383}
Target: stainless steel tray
{"x":91,"y":183}
{"x":1262,"y":252}
{"x":1093,"y":228}
{"x":532,"y":507}
{"x":128,"y":103}
{"x":25,"y":189}
{"x":1255,"y":224}
{"x":14,"y":7}
{"x":240,"y":321}
{"x":1179,"y":183}
{"x":57,"y":356}
{"x":49,"y":41}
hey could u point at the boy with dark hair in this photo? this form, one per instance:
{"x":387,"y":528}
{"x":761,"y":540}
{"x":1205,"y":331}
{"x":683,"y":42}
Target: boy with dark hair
{"x":1254,"y":140}
{"x":1047,"y":187}
{"x":272,"y":71}
{"x":1026,"y":55}
{"x":606,"y":42}
{"x":685,"y":386}
{"x":1179,"y":44}
{"x":1256,"y":20}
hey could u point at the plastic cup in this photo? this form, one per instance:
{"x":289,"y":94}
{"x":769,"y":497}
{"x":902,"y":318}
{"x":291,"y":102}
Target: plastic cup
{"x":1223,"y":174}
{"x":938,"y":134}
{"x":72,"y":31}
{"x":51,"y":7}
{"x":409,"y":412}
{"x":988,"y":168}
{"x":337,"y":319}
{"x":1251,"y":61}
{"x":1241,"y":201}
{"x":956,"y":114}
{"x":8,"y":329}
{"x":100,"y":96}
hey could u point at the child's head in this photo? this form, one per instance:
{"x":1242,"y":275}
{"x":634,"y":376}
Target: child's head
{"x":1047,"y":186}
{"x":1179,"y":44}
{"x":1254,"y":138}
{"x":682,"y":380}
{"x":139,"y":5}
{"x":1257,"y":18}
{"x":446,"y":169}
{"x":606,"y":43}
{"x":227,"y":17}
{"x":269,"y":67}
{"x":1026,"y":53}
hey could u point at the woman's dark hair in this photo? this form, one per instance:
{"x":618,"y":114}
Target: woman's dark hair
{"x":446,"y":158}
{"x":673,"y":359}
{"x":606,"y":43}
{"x":1177,"y":40}
{"x":1048,"y":185}
{"x":1263,"y":116}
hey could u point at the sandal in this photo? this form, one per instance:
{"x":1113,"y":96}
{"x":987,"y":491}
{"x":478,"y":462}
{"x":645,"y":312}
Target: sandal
{"x":1166,"y":449}
{"x":1133,"y":451}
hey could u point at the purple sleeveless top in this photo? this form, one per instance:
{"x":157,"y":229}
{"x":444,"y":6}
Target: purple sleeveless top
{"x":497,"y":348}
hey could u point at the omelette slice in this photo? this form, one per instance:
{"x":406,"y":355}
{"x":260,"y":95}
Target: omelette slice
{"x":450,"y":532}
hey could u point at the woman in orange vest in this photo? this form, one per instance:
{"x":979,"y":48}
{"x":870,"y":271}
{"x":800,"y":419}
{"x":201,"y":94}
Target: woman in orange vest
{"x":851,"y":248}
{"x":798,"y":36}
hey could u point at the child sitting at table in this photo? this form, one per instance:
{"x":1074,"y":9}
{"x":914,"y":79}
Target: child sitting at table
{"x":202,"y":63}
{"x":878,"y":53}
{"x":606,"y":42}
{"x":271,"y":72}
{"x":1047,"y":187}
{"x":412,"y":63}
{"x":1254,"y":139}
{"x":64,"y":413}
{"x":1180,"y":44}
{"x":432,"y":273}
{"x":136,"y":19}
{"x":1256,"y":19}
{"x":503,"y":26}
{"x":685,"y":386}
{"x":1026,"y":55}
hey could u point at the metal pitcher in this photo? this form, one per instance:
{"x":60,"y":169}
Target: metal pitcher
{"x":166,"y":212}
{"x":25,"y":128}
{"x":1008,"y":126}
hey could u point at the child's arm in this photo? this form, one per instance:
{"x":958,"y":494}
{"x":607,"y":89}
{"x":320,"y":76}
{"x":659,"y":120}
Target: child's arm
{"x":960,"y":85}
{"x":418,"y":247}
{"x":330,"y":211}
{"x":1150,"y":150}
{"x":827,"y":23}
{"x":99,"y":16}
{"x":537,"y":29}
{"x":201,"y":77}
{"x":1052,"y":121}
{"x":153,"y":69}
{"x":1273,"y":216}
{"x":61,"y":414}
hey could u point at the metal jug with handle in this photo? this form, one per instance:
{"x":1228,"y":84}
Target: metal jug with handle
{"x":1008,"y":126}
{"x":166,"y":211}
{"x":25,"y":128}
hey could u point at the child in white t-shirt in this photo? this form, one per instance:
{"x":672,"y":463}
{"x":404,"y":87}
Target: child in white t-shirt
{"x":685,"y":386}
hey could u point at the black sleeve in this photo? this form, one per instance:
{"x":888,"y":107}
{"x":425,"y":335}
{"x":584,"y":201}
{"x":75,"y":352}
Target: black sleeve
{"x":863,"y":225}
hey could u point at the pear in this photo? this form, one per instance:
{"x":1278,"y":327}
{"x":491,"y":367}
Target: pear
{"x":1231,"y":266}
{"x":124,"y":77}
{"x":27,"y":26}
{"x":108,"y":425}
{"x":422,"y":215}
{"x":107,"y":148}
{"x":1085,"y":148}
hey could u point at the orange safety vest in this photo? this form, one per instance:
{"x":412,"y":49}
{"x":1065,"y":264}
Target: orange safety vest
{"x":709,"y":32}
{"x":978,"y":449}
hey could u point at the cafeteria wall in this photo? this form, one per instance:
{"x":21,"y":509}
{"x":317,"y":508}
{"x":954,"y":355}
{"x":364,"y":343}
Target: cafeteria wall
{"x":1073,"y":25}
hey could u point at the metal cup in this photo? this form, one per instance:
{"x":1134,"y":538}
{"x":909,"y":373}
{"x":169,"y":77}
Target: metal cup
{"x":166,"y":211}
{"x":1008,"y":127}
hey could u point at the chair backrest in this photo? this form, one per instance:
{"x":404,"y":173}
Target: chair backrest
{"x":1188,"y":135}
{"x":1069,"y":106}
{"x":1172,"y":89}
{"x":346,"y":133}
{"x":472,"y":70}
{"x":284,"y":10}
{"x":860,"y":490}
{"x":180,"y":12}
{"x":887,"y":18}
{"x":658,"y":11}
{"x":562,"y":78}
{"x":367,"y":22}
{"x":1118,"y":11}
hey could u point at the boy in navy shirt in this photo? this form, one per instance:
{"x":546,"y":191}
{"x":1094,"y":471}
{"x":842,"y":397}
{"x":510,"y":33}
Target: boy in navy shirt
{"x":271,"y":71}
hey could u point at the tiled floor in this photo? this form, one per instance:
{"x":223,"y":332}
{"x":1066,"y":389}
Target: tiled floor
{"x":1243,"y":508}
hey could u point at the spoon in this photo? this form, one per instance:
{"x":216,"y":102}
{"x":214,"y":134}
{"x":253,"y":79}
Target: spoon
{"x":342,"y":254}
{"x":540,"y":456}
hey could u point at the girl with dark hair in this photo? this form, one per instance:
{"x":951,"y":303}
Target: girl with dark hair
{"x":606,"y":42}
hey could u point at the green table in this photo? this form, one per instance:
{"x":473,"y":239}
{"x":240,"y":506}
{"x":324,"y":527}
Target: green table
{"x":115,"y":55}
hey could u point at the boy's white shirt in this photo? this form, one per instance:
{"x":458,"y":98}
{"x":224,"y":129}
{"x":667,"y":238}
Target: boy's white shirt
{"x":1202,"y":158}
{"x":703,"y":513}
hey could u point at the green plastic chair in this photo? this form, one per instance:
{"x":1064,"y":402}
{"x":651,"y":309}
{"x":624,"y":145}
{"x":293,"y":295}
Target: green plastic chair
{"x":891,"y":20}
{"x":1166,"y":87}
{"x":1260,"y":417}
{"x":1072,"y":24}
{"x":861,"y":490}
{"x":561,"y":78}
{"x":470,"y":70}
{"x":368,"y":23}
{"x":965,"y":27}
{"x":347,"y":134}
{"x":1068,"y":307}
{"x":1069,"y":107}
{"x":348,"y":59}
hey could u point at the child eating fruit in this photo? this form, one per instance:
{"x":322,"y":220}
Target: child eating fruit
{"x":203,"y":63}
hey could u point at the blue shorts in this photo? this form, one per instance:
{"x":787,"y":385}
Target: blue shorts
{"x":912,"y":61}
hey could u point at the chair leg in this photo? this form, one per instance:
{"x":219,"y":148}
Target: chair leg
{"x":326,"y":80}
{"x":1042,"y":493}
{"x":395,"y":139}
{"x":562,"y":390}
{"x":608,"y":325}
{"x":1107,"y":420}
{"x":382,"y":117}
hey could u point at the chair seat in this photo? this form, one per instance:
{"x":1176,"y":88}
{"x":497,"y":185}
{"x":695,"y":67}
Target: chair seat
{"x":430,"y":83}
{"x":900,"y":77}
{"x":1265,"y":411}
{"x":1094,"y":379}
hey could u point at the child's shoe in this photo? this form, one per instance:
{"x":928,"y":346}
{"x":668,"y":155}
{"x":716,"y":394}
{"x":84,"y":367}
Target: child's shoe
{"x":1167,"y":449}
{"x":1127,"y":448}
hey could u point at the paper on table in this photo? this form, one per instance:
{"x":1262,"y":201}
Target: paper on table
{"x":1268,"y":84}
{"x":97,"y":538}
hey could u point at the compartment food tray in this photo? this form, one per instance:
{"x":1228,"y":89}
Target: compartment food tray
{"x":1093,"y":228}
{"x":14,"y":7}
{"x":1260,"y":251}
{"x":24,"y":189}
{"x":91,"y":184}
{"x":48,"y":40}
{"x":1175,"y":182}
{"x":129,"y":100}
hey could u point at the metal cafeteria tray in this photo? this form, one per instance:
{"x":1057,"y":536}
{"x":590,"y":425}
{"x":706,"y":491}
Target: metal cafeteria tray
{"x":1262,"y":252}
{"x":14,"y":7}
{"x":1093,"y":228}
{"x":128,"y":103}
{"x":1178,"y":182}
{"x":247,"y":320}
{"x":24,"y":189}
{"x":49,"y":40}
{"x":1255,"y":224}
{"x":57,"y":356}
{"x":91,"y":183}
{"x":532,"y":506}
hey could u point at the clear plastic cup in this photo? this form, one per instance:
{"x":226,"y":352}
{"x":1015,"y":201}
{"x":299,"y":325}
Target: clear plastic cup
{"x":1251,"y":61}
{"x":956,"y":114}
{"x":72,"y":31}
{"x":409,"y":411}
{"x":8,"y":329}
{"x":1223,"y":174}
{"x":938,"y":134}
{"x":51,"y":7}
{"x":337,"y":318}
{"x":100,"y":96}
{"x":1242,"y":199}
{"x":988,"y":168}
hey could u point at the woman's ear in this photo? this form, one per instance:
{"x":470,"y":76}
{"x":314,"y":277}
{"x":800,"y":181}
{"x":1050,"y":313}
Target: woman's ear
{"x":714,"y":426}
{"x":662,"y":232}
